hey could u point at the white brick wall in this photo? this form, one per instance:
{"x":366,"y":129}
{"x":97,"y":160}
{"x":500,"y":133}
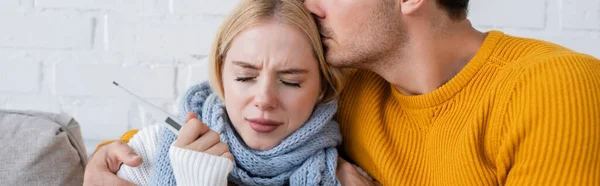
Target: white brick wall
{"x":9,"y":3}
{"x":19,"y":77}
{"x":509,"y":13}
{"x":45,"y":32}
{"x":581,"y":14}
{"x":95,"y":80}
{"x":159,"y":36}
{"x":202,"y":7}
{"x":62,"y":55}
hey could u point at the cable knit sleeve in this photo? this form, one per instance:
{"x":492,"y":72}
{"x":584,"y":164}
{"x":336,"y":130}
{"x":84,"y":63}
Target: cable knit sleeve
{"x":198,"y":168}
{"x":143,"y":144}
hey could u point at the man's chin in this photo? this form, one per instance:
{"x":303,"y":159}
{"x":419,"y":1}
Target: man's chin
{"x":341,"y":61}
{"x":334,"y":62}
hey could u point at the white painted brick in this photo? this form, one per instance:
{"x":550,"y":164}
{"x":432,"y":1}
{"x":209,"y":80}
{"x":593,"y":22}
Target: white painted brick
{"x":586,"y":45}
{"x":137,"y":7}
{"x":9,"y":3}
{"x":45,"y":103}
{"x":200,"y":7}
{"x":162,"y":36}
{"x":553,"y":16}
{"x":140,"y":116}
{"x":508,"y":13}
{"x":579,"y":41}
{"x":3,"y":100}
{"x":85,"y":4}
{"x":581,"y":14}
{"x":20,"y":77}
{"x":101,"y":119}
{"x":90,"y":146}
{"x":190,"y":75}
{"x":198,"y":73}
{"x":46,"y":32}
{"x":96,"y":80}
{"x":68,"y":56}
{"x":10,"y":6}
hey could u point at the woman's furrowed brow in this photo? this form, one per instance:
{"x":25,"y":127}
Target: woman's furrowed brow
{"x":245,"y":65}
{"x":293,"y":71}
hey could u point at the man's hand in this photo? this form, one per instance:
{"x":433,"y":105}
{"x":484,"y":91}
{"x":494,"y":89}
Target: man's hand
{"x":195,"y":135}
{"x":348,"y":175}
{"x":104,"y":164}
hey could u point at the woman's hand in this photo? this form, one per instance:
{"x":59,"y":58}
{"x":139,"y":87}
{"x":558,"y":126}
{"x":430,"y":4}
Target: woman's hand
{"x":197,"y":136}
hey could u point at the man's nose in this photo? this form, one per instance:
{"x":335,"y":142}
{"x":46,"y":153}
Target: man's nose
{"x":314,"y":7}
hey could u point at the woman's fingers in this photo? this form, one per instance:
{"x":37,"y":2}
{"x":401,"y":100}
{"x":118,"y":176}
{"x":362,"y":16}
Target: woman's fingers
{"x":192,"y":130}
{"x":218,"y":149}
{"x":228,"y":155}
{"x":190,"y":115}
{"x":197,"y":136}
{"x":206,"y":141}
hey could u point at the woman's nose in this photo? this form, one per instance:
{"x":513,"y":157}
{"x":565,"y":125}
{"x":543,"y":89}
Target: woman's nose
{"x":266,"y":99}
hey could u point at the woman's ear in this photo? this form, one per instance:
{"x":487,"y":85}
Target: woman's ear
{"x":321,"y":96}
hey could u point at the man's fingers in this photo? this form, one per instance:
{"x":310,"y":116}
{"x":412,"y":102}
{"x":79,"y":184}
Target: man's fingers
{"x":218,"y":149}
{"x":98,"y":171}
{"x":119,"y":152}
{"x":228,"y":155}
{"x":345,"y":168}
{"x":190,"y":115}
{"x":347,"y":174}
{"x":205,"y":141}
{"x":111,"y":179}
{"x":133,"y":161}
{"x":190,"y":132}
{"x":342,"y":162}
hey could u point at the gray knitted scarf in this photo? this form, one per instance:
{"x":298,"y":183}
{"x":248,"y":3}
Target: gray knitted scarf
{"x":306,"y":157}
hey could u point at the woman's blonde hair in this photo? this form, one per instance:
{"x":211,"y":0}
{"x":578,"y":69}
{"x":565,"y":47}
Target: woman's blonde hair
{"x":252,"y":12}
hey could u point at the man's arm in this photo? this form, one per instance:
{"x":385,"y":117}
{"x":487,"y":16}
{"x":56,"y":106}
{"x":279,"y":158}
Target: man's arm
{"x":106,"y":161}
{"x":103,"y":165}
{"x":552,"y":126}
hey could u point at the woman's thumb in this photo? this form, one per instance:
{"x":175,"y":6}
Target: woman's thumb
{"x":191,"y":115}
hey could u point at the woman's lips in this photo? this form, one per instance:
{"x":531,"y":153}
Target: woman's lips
{"x":263,"y":125}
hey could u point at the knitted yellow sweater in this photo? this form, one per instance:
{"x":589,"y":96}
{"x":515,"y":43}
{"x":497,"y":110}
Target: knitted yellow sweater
{"x":521,"y":112}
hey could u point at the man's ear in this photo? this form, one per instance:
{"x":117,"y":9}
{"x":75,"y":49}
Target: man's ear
{"x":408,"y":7}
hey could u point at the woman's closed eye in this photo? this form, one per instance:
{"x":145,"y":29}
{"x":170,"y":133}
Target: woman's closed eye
{"x":244,"y":79}
{"x":297,"y":85}
{"x":286,"y":83}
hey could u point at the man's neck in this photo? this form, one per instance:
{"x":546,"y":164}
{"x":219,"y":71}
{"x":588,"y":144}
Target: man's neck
{"x":429,"y":60}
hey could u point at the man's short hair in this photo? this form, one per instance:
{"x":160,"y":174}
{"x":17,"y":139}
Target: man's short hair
{"x":457,"y":9}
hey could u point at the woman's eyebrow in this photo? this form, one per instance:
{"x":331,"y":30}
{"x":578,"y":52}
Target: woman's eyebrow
{"x":245,"y":65}
{"x":293,"y":71}
{"x":284,"y":71}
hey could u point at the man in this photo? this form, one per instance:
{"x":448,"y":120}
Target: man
{"x":432,"y":101}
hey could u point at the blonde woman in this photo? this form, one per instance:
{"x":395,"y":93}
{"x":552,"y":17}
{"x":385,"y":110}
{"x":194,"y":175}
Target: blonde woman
{"x":268,"y":107}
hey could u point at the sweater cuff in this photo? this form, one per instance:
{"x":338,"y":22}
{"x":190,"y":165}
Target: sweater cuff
{"x":198,"y":168}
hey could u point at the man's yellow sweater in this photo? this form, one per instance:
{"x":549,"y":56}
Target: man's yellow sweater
{"x":521,"y":112}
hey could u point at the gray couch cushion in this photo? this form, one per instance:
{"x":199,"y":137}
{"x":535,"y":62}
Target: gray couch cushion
{"x":39,"y":148}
